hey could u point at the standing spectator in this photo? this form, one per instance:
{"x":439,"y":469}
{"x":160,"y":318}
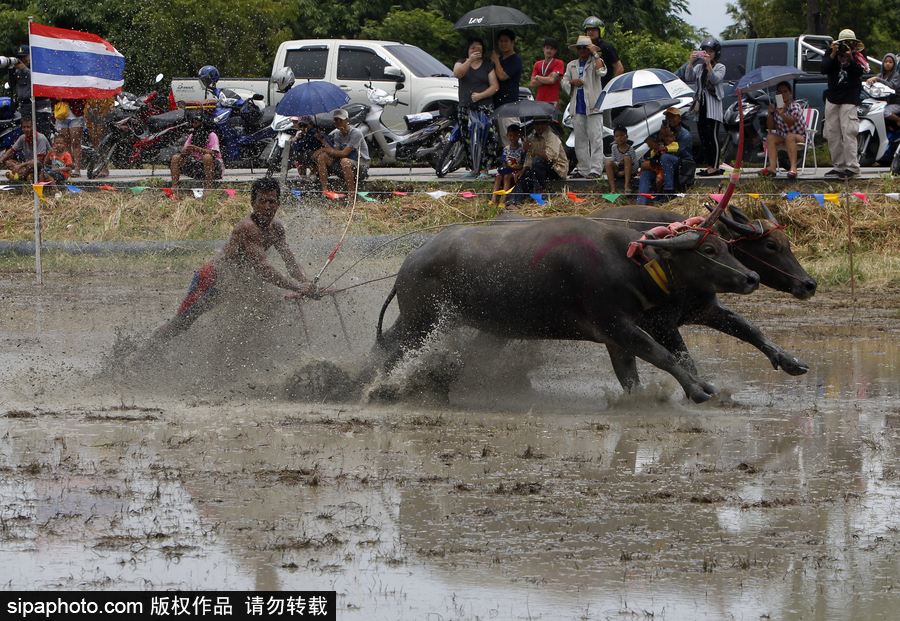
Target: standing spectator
{"x":19,"y":158}
{"x":786,"y":127}
{"x":890,"y":76}
{"x":582,"y":80}
{"x":20,"y":79}
{"x":595,"y":29}
{"x":508,"y":69}
{"x":477,"y":84}
{"x":545,"y":160}
{"x":71,"y":129}
{"x":844,"y":67}
{"x":547,"y":73}
{"x":671,"y":162}
{"x":196,"y":161}
{"x":709,"y":76}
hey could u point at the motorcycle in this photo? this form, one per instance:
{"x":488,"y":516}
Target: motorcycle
{"x":756,"y":113}
{"x":130,"y":142}
{"x":877,"y":141}
{"x":245,"y":131}
{"x":10,"y":124}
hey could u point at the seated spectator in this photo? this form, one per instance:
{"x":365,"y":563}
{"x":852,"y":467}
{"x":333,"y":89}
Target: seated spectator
{"x":57,"y":163}
{"x":343,"y":150}
{"x":199,"y":162}
{"x":510,"y":163}
{"x":623,"y":163}
{"x":785,"y":123}
{"x":671,"y":162}
{"x":304,"y":144}
{"x":19,"y":158}
{"x":665,"y":143}
{"x":545,"y":160}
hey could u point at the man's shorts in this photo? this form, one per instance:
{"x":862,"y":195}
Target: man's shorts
{"x":193,"y":168}
{"x":335,"y":167}
{"x":201,"y":295}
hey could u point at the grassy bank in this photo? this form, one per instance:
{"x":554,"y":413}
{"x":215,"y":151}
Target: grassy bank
{"x":818,"y":233}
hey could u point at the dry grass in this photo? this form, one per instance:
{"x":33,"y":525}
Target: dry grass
{"x":818,"y":234}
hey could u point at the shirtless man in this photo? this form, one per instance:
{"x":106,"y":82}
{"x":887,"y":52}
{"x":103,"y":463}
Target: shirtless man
{"x":245,"y":249}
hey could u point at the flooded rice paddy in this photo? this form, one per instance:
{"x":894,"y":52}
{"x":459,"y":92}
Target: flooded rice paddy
{"x":246,"y":456}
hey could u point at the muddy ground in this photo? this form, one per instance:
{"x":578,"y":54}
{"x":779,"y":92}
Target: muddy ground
{"x":243,"y":457}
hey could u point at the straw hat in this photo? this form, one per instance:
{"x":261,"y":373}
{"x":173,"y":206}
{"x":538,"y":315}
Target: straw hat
{"x":849,"y":35}
{"x":583,"y":41}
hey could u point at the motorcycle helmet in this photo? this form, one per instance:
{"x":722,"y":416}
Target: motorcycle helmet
{"x":714,"y":45}
{"x":208,"y":75}
{"x":283,"y":79}
{"x":594,"y":22}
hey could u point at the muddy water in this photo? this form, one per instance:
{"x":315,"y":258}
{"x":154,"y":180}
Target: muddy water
{"x":539,"y":492}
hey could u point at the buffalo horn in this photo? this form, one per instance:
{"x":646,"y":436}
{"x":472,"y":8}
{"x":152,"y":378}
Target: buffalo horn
{"x":768,"y":213}
{"x":744,"y":230}
{"x":739,"y":216}
{"x":684,"y":241}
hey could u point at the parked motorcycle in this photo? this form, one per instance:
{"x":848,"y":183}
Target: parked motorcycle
{"x":10,"y":124}
{"x":877,"y":141}
{"x":245,"y":131}
{"x":756,"y":113}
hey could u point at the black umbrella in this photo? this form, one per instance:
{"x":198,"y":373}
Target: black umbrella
{"x":493,"y":17}
{"x":525,"y":108}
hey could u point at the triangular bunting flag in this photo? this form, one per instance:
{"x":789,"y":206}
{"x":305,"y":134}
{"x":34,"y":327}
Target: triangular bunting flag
{"x":39,"y":190}
{"x":893,"y":195}
{"x":502,"y":192}
{"x":717,"y":197}
{"x":820,"y":198}
{"x":6,"y":188}
{"x":365,"y":196}
{"x":296,"y":193}
{"x":170,"y":193}
{"x":398,"y":193}
{"x":138,"y":189}
{"x":108,"y":187}
{"x":437,"y":194}
{"x":612,"y":197}
{"x":650,"y":196}
{"x":724,"y":166}
{"x":575,"y":198}
{"x":468,"y":194}
{"x":230,"y":193}
{"x":753,"y":195}
{"x":792,"y":195}
{"x":73,"y":189}
{"x":538,"y":198}
{"x":333,"y":195}
{"x":833,"y":198}
{"x":861,"y":196}
{"x":198,"y":192}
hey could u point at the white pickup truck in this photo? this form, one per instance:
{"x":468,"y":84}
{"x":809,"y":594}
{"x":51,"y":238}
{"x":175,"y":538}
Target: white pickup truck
{"x":350,"y":64}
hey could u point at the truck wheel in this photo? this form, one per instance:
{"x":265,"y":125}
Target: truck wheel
{"x":452,"y":157}
{"x":866,"y":148}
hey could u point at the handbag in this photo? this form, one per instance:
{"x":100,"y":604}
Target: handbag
{"x":61,"y":110}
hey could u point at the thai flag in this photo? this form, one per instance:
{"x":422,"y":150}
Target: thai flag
{"x":67,"y":64}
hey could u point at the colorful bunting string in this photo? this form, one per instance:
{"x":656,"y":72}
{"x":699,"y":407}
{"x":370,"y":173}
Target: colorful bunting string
{"x":538,"y":198}
{"x":365,"y":196}
{"x":333,"y":195}
{"x":468,"y":194}
{"x":575,"y":198}
{"x":229,"y":192}
{"x":612,"y":197}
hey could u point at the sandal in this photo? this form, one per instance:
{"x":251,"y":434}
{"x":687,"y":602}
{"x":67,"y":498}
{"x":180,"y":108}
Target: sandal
{"x":484,"y":177}
{"x":792,"y":174}
{"x":765,"y":172}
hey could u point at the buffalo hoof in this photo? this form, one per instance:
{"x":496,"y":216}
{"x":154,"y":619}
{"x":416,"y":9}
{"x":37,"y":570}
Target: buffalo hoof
{"x":792,"y":365}
{"x":704,"y":393}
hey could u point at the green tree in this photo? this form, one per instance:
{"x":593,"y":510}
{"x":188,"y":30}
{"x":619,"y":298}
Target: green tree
{"x":425,"y":29}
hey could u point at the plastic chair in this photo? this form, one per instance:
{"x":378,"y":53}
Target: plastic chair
{"x":811,"y":120}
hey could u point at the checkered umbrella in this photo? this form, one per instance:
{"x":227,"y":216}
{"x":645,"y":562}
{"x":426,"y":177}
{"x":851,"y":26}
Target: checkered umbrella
{"x":636,"y":88}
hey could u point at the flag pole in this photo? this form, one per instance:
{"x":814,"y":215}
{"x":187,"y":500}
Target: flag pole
{"x":34,"y":179}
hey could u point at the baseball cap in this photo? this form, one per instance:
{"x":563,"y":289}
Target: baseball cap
{"x":23,"y":51}
{"x":340,"y":113}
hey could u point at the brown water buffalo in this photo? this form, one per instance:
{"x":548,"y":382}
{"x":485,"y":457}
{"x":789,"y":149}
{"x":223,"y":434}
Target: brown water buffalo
{"x":761,"y":245}
{"x":565,"y":278}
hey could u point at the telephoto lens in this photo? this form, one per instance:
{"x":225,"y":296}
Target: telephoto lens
{"x":7,"y":62}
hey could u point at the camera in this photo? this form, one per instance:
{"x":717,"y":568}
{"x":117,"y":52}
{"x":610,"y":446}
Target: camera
{"x":843,"y":48}
{"x":8,"y":62}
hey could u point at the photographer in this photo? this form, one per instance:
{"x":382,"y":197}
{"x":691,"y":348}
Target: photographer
{"x":844,"y":66}
{"x":20,"y":79}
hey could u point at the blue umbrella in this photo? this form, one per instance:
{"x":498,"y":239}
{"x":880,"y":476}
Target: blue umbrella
{"x":636,"y":88}
{"x":767,"y":76}
{"x":312,"y":98}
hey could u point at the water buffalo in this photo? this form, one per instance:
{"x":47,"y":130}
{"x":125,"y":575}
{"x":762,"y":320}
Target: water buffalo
{"x":565,"y":278}
{"x":761,"y":246}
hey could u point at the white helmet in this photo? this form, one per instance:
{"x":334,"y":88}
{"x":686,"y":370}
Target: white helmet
{"x":283,"y":79}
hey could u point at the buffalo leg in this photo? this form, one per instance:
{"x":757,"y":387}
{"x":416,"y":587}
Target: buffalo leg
{"x":624,"y":365}
{"x":725,"y":320}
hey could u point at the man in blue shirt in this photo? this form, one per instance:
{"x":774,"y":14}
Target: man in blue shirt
{"x":508,"y":69}
{"x":670,"y":162}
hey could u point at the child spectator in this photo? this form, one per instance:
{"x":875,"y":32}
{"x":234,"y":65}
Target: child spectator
{"x":57,"y":163}
{"x":547,"y":72}
{"x":303,"y":145}
{"x":510,"y":164}
{"x":667,"y":144}
{"x":623,"y":160}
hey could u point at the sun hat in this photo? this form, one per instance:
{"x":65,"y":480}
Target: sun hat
{"x":583,"y":41}
{"x":849,"y":35}
{"x":673,"y":111}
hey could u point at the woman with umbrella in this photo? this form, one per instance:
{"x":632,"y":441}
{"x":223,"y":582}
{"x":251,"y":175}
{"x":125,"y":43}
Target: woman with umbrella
{"x":709,"y":76}
{"x":477,"y":85}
